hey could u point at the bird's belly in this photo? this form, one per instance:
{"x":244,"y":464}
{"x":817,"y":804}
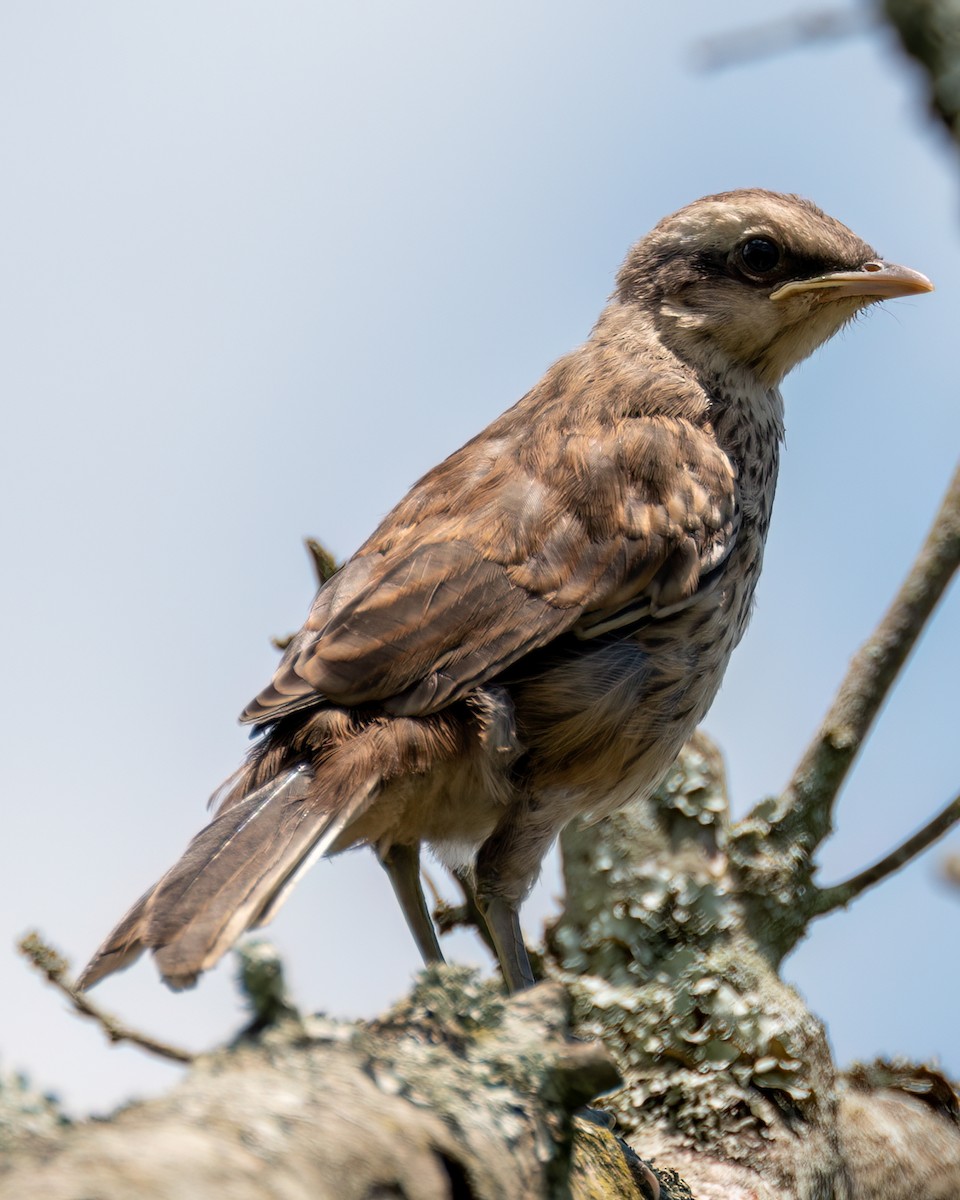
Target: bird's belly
{"x":454,"y":807}
{"x":598,"y":724}
{"x":603,"y":724}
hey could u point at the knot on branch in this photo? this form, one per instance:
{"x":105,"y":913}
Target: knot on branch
{"x":261,"y":981}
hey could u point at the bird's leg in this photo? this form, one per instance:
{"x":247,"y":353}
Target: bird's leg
{"x":402,"y":865}
{"x":473,"y":913}
{"x":503,"y":922}
{"x":498,"y":924}
{"x":506,"y":868}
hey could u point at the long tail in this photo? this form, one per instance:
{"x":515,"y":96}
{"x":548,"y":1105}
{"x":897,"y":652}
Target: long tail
{"x":234,"y":876}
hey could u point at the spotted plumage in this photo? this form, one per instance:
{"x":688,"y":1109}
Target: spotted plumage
{"x":539,"y":624}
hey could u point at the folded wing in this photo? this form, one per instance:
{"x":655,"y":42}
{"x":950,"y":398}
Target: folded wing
{"x":514,"y":540}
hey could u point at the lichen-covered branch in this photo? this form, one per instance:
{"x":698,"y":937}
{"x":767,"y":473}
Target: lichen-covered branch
{"x":672,"y":961}
{"x":727,"y":1088}
{"x":457,"y":1092}
{"x":804,"y":813}
{"x":54,"y":968}
{"x":727,"y":1076}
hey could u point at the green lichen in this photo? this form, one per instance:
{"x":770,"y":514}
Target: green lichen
{"x":661,"y":955}
{"x":27,"y":1116}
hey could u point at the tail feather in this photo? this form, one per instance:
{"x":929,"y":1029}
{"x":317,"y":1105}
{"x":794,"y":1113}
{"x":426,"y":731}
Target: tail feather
{"x":234,"y":876}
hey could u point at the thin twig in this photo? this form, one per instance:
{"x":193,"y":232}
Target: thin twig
{"x":448,"y":916}
{"x":840,"y":894}
{"x":782,"y":35}
{"x":54,"y":967}
{"x":325,"y":566}
{"x":806,"y":805}
{"x":432,"y":888}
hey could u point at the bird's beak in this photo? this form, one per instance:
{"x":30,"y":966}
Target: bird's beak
{"x":874,"y":279}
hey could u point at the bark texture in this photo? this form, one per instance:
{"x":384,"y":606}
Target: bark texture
{"x":723,"y":1088}
{"x":671,"y":954}
{"x":456,"y":1092}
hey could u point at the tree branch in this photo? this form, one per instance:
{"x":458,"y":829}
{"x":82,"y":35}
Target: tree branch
{"x":456,"y":1092}
{"x":54,"y":967}
{"x":929,"y":32}
{"x":736,"y":47}
{"x":827,"y":900}
{"x":325,"y":566}
{"x":805,"y":807}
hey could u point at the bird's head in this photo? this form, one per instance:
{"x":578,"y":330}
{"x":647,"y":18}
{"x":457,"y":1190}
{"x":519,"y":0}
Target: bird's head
{"x":755,"y":280}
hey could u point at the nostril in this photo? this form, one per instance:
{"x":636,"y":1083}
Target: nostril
{"x":873,"y":266}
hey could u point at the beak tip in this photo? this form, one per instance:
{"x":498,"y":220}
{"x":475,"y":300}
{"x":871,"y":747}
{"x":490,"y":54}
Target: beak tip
{"x":877,"y":280}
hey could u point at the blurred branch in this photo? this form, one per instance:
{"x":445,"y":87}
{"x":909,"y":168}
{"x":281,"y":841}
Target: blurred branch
{"x":51,"y":964}
{"x":466,"y":915}
{"x":261,"y":980}
{"x":769,"y":38}
{"x":929,"y":31}
{"x":827,"y":900}
{"x":325,"y":566}
{"x":806,"y":805}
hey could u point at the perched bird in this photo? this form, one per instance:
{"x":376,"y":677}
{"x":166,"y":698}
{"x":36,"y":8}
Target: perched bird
{"x":536,"y":628}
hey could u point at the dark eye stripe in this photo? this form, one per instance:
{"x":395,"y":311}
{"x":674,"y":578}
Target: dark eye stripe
{"x":791,"y":266}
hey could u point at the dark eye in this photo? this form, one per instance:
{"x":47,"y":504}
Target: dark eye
{"x":759,"y":256}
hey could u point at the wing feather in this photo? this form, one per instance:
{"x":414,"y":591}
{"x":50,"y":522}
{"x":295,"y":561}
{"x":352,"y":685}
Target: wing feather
{"x":514,"y":540}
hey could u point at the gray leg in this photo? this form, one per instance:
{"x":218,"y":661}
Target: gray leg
{"x":402,"y":865}
{"x":504,"y":925}
{"x":473,"y":913}
{"x":507,"y":865}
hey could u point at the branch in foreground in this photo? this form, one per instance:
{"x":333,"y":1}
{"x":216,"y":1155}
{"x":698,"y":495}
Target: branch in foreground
{"x":456,"y":1092}
{"x":459,"y":1091}
{"x":54,"y":967}
{"x":261,"y":980}
{"x":827,"y":900}
{"x":806,"y":805}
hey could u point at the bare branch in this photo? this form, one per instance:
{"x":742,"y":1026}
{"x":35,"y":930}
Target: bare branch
{"x":54,"y":967}
{"x":325,"y":566}
{"x":467,"y":915}
{"x":827,"y":900}
{"x":764,"y":40}
{"x":432,"y":887}
{"x":261,"y":980}
{"x":805,"y":807}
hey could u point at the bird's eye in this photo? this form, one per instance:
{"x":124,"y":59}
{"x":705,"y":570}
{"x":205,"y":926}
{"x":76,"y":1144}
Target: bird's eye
{"x":759,"y":256}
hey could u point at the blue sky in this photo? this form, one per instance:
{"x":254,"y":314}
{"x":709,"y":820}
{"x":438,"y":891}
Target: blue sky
{"x":264,"y":265}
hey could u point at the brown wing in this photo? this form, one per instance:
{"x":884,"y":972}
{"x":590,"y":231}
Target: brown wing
{"x":526,"y":532}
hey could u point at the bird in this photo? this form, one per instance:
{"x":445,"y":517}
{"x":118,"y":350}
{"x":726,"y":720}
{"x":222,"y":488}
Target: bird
{"x":533,"y":632}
